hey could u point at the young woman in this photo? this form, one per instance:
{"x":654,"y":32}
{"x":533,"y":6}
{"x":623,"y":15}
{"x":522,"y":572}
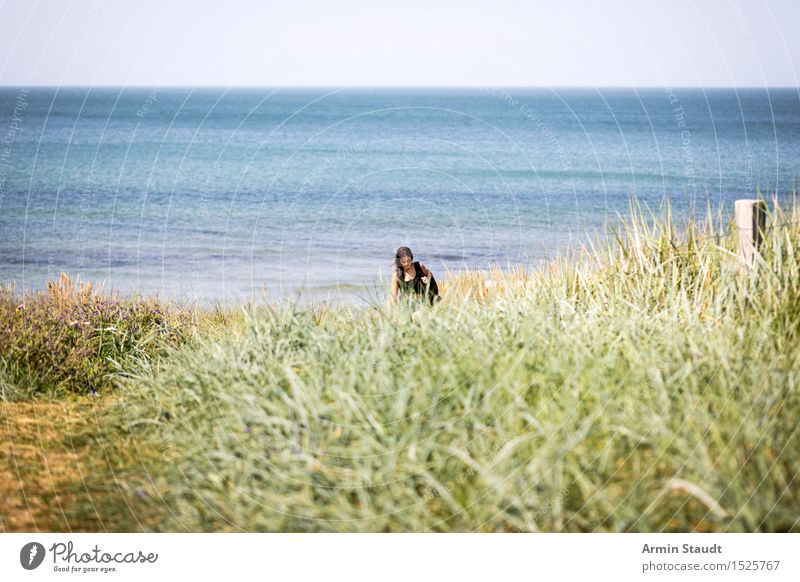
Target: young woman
{"x":412,"y":278}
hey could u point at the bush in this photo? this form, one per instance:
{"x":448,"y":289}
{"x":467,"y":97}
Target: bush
{"x":70,"y":339}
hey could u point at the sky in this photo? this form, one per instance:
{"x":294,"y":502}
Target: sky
{"x":410,"y":43}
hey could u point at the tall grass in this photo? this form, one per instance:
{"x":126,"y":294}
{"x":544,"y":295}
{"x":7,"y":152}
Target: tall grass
{"x":72,"y":338}
{"x":644,"y":384}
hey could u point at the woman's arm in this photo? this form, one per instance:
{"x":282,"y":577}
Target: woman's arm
{"x":427,"y":273}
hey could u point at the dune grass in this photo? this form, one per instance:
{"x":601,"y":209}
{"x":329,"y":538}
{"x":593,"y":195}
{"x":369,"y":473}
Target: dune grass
{"x":647,"y":383}
{"x":72,"y":338}
{"x":61,"y":350}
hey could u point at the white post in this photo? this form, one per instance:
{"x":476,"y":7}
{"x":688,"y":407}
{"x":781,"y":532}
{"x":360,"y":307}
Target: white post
{"x":751,"y":222}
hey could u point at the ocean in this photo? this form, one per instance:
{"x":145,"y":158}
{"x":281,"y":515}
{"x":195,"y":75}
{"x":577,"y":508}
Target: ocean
{"x":230,"y":195}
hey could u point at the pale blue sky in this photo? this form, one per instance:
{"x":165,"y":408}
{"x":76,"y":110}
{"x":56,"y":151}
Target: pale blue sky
{"x":413,"y":42}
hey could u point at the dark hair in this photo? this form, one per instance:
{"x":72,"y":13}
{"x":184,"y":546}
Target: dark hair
{"x":401,"y":252}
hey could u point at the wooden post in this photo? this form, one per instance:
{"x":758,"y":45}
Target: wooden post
{"x":751,"y":223}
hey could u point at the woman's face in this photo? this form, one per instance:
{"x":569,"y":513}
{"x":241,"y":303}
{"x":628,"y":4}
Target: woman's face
{"x":405,"y":262}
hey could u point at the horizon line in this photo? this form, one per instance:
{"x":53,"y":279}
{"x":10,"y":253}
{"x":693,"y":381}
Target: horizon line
{"x":151,"y":86}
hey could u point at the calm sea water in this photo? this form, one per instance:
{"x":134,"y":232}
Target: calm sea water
{"x":216,"y":194}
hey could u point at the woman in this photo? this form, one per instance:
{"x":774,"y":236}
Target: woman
{"x":412,"y":277}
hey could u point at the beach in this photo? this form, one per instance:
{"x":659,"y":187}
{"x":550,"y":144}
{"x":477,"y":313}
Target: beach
{"x":195,"y":333}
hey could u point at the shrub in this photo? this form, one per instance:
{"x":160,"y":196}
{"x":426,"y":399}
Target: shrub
{"x":71,"y":339}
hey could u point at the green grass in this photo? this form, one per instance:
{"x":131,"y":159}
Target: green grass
{"x":72,"y":340}
{"x":644,"y":384}
{"x":61,"y":351}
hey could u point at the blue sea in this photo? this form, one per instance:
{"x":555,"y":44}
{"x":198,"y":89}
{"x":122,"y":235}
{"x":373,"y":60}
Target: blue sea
{"x":235,"y":194}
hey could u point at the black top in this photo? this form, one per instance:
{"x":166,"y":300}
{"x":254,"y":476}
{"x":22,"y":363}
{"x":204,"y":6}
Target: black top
{"x":416,"y":285}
